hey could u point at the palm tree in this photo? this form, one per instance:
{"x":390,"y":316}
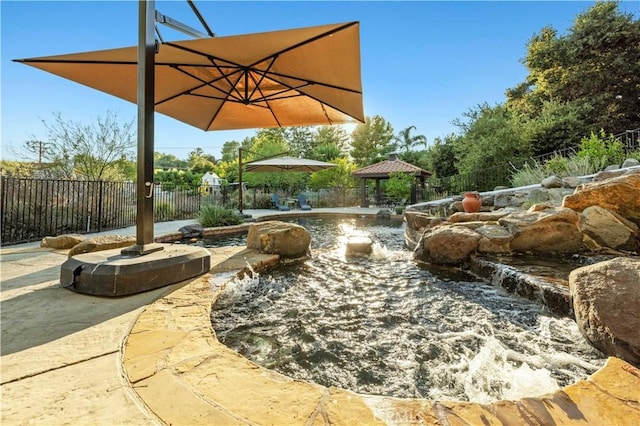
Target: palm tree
{"x":406,"y":142}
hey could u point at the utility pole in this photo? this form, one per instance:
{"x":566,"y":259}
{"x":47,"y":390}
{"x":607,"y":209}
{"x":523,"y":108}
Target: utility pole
{"x":40,"y":147}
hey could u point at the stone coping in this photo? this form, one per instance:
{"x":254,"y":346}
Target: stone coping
{"x":184,"y":376}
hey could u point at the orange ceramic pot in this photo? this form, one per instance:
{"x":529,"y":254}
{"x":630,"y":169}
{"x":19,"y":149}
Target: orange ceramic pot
{"x":471,"y":202}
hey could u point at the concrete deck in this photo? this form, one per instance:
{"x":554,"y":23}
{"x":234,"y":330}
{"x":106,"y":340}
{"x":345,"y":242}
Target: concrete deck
{"x":153,"y":358}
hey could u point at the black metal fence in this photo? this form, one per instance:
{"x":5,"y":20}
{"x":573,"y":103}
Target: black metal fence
{"x":31,"y":209}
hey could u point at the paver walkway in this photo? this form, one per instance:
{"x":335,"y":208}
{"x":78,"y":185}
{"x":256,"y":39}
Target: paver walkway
{"x":152,"y":358}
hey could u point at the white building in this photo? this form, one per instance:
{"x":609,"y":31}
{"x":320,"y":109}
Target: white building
{"x":212,"y":182}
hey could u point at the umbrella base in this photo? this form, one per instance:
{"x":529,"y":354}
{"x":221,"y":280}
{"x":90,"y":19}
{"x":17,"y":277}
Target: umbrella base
{"x":111,"y":273}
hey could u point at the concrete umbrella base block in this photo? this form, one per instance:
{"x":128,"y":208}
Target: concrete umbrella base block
{"x":110,"y":273}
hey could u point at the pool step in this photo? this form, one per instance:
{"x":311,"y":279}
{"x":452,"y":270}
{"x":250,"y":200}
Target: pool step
{"x":552,"y":292}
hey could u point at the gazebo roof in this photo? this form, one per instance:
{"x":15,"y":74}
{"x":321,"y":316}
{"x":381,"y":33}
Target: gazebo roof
{"x":383,"y":169}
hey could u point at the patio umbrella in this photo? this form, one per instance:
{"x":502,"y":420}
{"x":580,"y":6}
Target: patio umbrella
{"x":303,"y":76}
{"x":277,"y":164}
{"x":287,"y":164}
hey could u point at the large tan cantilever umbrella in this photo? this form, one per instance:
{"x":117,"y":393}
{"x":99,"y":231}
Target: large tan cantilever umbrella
{"x":294,"y":77}
{"x":304,"y":76}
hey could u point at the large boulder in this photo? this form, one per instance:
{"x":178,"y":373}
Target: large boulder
{"x":447,"y":245}
{"x":417,"y":220}
{"x":102,"y":242}
{"x":478,"y":216}
{"x":620,"y":194}
{"x":605,"y":298}
{"x":274,"y":237}
{"x":606,"y":228}
{"x":60,"y":242}
{"x":551,"y":230}
{"x":552,"y":182}
{"x":495,"y":239}
{"x":194,"y":230}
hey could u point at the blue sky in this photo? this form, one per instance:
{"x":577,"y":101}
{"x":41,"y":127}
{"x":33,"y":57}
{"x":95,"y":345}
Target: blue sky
{"x":423,"y":63}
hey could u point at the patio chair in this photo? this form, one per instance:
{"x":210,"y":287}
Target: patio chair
{"x":302,"y":202}
{"x":276,"y":204}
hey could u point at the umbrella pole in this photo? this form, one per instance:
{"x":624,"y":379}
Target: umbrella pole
{"x":146,"y":95}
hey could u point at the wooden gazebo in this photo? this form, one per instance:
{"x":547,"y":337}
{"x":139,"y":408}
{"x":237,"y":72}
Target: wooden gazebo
{"x":383,"y":170}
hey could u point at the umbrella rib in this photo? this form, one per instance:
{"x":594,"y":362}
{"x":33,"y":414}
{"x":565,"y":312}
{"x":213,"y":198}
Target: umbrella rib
{"x":263,"y":74}
{"x":239,"y":101}
{"x":226,"y":77}
{"x":313,"y":82}
{"x":266,"y":101}
{"x":74,"y":61}
{"x":326,"y":114}
{"x":212,"y":59}
{"x":310,"y":40}
{"x":204,"y":83}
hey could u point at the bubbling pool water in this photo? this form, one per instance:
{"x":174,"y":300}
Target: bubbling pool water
{"x":383,"y":325}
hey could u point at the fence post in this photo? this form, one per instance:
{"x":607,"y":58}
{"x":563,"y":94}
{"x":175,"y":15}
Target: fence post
{"x":100,"y":201}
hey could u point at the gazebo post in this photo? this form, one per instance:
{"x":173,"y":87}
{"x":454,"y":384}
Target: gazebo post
{"x":378,"y":197}
{"x":364,"y":201}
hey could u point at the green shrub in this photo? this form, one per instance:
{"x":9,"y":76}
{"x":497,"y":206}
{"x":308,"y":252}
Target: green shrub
{"x":263,"y":201}
{"x":634,"y":154}
{"x":398,"y":187}
{"x":592,"y":160}
{"x":163,"y":210}
{"x":601,"y":149}
{"x":557,"y":165}
{"x":582,"y":166}
{"x":213,"y":216}
{"x":529,"y":174}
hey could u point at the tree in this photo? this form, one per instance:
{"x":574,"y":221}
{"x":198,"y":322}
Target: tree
{"x":199,"y":162}
{"x":441,"y":156}
{"x":229,"y":150}
{"x":326,"y":152}
{"x":406,"y":142}
{"x":228,"y":168}
{"x":335,"y":135}
{"x":594,"y":70}
{"x":177,"y":178}
{"x":92,"y":152}
{"x":17,"y":169}
{"x":339,"y":176}
{"x":300,"y":140}
{"x":371,"y":141}
{"x":491,"y":137}
{"x":558,"y":126}
{"x":168,"y":161}
{"x":329,"y":143}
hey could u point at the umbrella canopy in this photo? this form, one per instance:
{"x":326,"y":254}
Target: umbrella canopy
{"x":304,"y":76}
{"x":287,"y":164}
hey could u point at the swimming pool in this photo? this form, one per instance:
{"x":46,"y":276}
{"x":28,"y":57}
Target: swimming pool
{"x":383,"y":325}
